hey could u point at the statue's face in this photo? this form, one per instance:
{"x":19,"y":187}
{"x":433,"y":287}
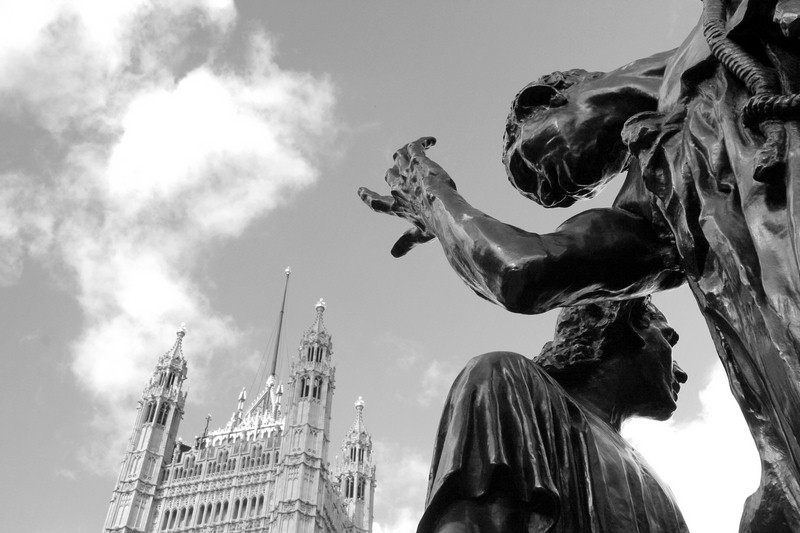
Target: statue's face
{"x":561,"y":146}
{"x":654,"y":376}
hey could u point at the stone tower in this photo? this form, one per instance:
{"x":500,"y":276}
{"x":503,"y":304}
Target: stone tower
{"x":302,"y":484}
{"x":151,"y":445}
{"x":265,"y":471}
{"x":355,"y":473}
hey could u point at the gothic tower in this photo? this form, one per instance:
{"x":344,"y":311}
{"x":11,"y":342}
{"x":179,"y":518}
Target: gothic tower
{"x":302,"y":473}
{"x":355,"y":473}
{"x":151,"y":444}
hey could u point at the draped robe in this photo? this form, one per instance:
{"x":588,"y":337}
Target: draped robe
{"x":507,"y":426}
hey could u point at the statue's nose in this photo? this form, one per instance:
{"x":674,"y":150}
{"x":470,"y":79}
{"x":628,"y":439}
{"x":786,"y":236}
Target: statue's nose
{"x":680,"y":374}
{"x":532,"y":96}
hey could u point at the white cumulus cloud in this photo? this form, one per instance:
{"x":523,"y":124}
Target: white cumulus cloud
{"x":143,"y":145}
{"x":711,"y":463}
{"x":402,"y":483}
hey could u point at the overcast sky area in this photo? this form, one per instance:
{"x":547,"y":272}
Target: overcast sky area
{"x":163,"y":161}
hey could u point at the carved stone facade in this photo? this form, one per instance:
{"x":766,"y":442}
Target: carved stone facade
{"x":265,"y":471}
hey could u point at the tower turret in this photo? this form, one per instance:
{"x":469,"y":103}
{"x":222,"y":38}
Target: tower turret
{"x":355,"y":473}
{"x":151,"y":444}
{"x":303,"y":469}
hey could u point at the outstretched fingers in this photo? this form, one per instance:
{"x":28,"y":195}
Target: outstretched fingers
{"x":417,"y":148}
{"x":408,"y":240}
{"x":377,"y":202}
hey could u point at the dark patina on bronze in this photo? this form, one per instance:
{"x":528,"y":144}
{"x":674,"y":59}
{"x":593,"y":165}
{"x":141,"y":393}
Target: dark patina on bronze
{"x":710,"y":139}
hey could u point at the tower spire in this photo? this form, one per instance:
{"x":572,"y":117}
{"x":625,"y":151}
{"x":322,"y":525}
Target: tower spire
{"x":355,"y":473}
{"x":288,"y":272}
{"x":152,"y":445}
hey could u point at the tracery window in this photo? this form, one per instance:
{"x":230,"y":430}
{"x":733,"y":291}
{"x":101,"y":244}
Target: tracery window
{"x":361,"y":489}
{"x":317,"y":391}
{"x":163,"y":413}
{"x":348,"y":487}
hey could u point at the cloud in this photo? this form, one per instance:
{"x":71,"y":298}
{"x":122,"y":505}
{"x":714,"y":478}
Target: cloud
{"x":410,"y":357}
{"x":402,"y":483}
{"x":66,"y":473}
{"x":711,"y":463}
{"x":436,"y":382}
{"x":149,"y":140}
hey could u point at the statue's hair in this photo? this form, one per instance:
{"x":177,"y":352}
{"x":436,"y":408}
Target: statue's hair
{"x":564,"y":79}
{"x":587,"y":334}
{"x":562,"y":173}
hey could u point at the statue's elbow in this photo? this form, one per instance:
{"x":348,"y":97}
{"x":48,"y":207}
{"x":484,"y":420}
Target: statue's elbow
{"x":522,"y":292}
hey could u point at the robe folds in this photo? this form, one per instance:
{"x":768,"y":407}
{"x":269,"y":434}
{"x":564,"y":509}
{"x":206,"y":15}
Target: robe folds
{"x":507,"y":426}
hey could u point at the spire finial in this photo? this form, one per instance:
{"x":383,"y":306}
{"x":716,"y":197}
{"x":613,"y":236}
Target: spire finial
{"x":176,"y":352}
{"x":320,"y":307}
{"x":358,"y":425}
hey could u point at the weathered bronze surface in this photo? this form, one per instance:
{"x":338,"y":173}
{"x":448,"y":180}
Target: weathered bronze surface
{"x":710,"y":138}
{"x":534,"y":445}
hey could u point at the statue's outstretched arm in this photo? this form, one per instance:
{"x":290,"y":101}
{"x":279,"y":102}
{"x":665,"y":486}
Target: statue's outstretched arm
{"x":598,"y":254}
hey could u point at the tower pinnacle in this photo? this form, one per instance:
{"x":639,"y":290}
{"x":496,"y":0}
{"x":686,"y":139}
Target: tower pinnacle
{"x":320,"y":307}
{"x":174,"y":356}
{"x":358,"y":425}
{"x":355,"y":472}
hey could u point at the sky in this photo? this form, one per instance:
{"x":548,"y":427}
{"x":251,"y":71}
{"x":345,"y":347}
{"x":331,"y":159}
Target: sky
{"x":162,"y":162}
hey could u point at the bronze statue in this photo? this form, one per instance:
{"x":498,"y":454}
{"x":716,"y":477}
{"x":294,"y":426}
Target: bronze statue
{"x":709,"y":136}
{"x":534,"y":446}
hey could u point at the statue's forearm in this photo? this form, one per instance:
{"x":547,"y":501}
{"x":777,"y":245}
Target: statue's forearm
{"x":598,"y":254}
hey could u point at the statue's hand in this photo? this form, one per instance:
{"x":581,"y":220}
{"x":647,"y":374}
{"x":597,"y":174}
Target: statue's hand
{"x":408,"y":178}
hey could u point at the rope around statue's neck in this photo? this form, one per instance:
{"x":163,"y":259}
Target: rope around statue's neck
{"x":767,"y":108}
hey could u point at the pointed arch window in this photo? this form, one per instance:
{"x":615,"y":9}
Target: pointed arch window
{"x":348,"y":487}
{"x":163,"y":413}
{"x":317,"y":391}
{"x":151,"y":412}
{"x":360,"y":455}
{"x":305,"y":386}
{"x":310,"y":353}
{"x":318,"y":354}
{"x":362,"y":485}
{"x":353,"y":453}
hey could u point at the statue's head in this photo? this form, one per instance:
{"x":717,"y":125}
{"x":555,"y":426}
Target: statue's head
{"x":631,"y":337}
{"x":563,"y":134}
